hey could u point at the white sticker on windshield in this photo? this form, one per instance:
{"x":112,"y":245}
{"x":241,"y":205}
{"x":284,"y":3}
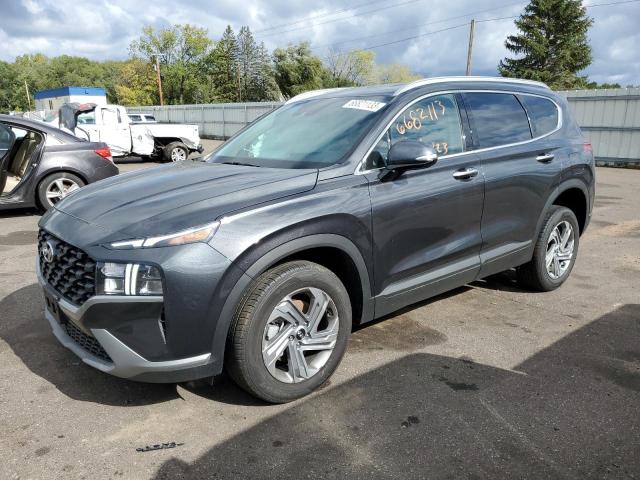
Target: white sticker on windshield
{"x":368,"y":105}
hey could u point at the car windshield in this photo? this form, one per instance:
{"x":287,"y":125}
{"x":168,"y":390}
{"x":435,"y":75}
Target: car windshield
{"x":310,"y":133}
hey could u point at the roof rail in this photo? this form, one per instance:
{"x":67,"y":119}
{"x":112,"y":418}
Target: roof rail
{"x":428,"y":81}
{"x":311,"y":94}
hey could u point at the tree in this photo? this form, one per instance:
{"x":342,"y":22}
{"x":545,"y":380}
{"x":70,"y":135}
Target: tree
{"x":394,"y":73}
{"x":346,"y":69}
{"x":552,"y":45}
{"x":135,"y":84}
{"x":221,"y":65}
{"x":297,"y":69}
{"x":183,"y":49}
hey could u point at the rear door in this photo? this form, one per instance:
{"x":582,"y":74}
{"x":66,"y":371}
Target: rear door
{"x":522,"y":165}
{"x":426,"y":223}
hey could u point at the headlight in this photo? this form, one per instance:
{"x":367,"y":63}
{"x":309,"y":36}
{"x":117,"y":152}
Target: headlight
{"x":128,"y":279}
{"x":193,"y":235}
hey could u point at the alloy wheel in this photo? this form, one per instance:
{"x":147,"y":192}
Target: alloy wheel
{"x":178,"y":154}
{"x":560,"y":248}
{"x":300,"y":335}
{"x":60,"y":188}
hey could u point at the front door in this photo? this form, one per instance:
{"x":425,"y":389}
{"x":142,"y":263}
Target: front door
{"x":426,"y":223}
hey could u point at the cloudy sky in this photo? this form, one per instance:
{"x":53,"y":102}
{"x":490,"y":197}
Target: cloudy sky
{"x":428,"y":35}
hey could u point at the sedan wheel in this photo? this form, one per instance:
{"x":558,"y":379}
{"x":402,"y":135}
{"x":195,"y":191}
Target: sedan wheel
{"x":56,"y":187}
{"x":60,"y":188}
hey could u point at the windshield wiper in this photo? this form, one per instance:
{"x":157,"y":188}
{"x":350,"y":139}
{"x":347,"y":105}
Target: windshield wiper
{"x":241,"y":163}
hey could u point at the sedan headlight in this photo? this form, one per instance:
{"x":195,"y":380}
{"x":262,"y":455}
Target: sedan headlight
{"x":192,"y":235}
{"x":128,"y":279}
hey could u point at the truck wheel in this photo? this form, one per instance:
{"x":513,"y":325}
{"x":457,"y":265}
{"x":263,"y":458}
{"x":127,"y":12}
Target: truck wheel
{"x":290,"y":332}
{"x":554,"y":253}
{"x":175,"y":152}
{"x":56,"y":186}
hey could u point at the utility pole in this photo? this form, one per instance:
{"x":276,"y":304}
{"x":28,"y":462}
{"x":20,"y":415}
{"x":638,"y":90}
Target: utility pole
{"x":239,"y":83}
{"x":26,"y":87}
{"x":470,"y":51}
{"x":158,"y":55}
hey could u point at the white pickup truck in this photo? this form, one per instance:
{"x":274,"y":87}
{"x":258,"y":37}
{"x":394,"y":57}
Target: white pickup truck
{"x":110,"y":124}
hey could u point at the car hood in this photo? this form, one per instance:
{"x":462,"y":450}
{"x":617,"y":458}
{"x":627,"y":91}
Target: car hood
{"x":180,"y":195}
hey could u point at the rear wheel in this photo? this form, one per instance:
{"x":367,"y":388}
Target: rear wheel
{"x":555,"y":252}
{"x":290,"y":332}
{"x":175,"y":152}
{"x":57,"y":186}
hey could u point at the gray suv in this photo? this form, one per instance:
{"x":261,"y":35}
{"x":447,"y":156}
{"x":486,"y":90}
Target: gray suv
{"x":338,"y":208}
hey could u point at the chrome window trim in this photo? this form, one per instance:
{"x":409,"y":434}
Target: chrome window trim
{"x":359,"y":171}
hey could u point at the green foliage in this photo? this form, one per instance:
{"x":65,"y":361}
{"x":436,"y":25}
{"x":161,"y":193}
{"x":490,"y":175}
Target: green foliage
{"x":182,"y":49}
{"x":552,"y":44}
{"x":297,"y":69}
{"x":356,"y":67}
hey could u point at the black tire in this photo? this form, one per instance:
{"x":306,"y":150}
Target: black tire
{"x":244,"y":361}
{"x":45,"y":202}
{"x":534,"y":275}
{"x":168,"y":152}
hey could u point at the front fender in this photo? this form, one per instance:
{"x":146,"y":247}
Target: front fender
{"x":272,"y":257}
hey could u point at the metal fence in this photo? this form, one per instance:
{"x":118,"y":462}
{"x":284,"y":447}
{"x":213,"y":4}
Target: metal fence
{"x":609,"y":118}
{"x":215,"y":120}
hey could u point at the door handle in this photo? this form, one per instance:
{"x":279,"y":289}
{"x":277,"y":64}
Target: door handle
{"x":465,"y":173}
{"x":545,"y":157}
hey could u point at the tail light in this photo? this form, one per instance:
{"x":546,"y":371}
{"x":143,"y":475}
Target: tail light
{"x":105,"y":153}
{"x":587,"y":148}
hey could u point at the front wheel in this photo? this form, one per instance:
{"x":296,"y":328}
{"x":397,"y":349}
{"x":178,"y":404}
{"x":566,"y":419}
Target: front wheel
{"x":554,"y":253}
{"x":57,"y":186}
{"x":290,"y":332}
{"x":175,"y":152}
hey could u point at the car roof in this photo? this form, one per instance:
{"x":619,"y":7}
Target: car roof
{"x":396,"y":89}
{"x":39,"y":126}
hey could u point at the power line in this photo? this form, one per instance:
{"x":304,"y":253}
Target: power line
{"x":341,"y":19}
{"x":419,"y":26}
{"x":324,"y":15}
{"x":479,"y":21}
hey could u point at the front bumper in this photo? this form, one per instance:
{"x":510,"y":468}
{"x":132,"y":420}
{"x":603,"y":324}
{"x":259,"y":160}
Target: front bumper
{"x":120,"y":360}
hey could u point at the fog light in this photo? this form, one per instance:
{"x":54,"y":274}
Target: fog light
{"x":128,"y":279}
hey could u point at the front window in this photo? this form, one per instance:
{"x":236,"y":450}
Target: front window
{"x":433,"y":121}
{"x":313,"y":133}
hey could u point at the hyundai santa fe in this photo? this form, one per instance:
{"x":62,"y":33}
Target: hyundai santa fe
{"x":338,"y":208}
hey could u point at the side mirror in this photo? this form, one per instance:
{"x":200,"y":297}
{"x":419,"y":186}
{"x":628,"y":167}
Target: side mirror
{"x":407,"y":155}
{"x":410,"y":154}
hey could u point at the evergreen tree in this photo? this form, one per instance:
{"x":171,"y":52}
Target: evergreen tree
{"x":222,"y":64}
{"x":552,"y":44}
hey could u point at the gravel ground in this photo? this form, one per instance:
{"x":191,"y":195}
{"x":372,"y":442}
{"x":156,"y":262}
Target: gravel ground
{"x":487,"y":381}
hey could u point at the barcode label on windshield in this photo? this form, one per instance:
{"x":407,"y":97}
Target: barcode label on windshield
{"x":368,"y":105}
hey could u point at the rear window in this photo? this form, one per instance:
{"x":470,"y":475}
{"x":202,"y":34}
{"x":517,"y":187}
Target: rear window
{"x":543,"y":114}
{"x":497,"y":119}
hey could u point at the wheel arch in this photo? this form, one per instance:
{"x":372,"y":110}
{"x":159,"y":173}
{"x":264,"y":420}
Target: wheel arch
{"x":573,"y":195}
{"x":328,"y":250}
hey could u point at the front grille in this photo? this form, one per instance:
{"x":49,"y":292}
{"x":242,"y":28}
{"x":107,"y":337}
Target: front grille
{"x":85,"y":341}
{"x":70,"y":271}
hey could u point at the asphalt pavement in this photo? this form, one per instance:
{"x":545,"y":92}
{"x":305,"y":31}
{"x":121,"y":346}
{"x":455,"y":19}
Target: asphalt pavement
{"x":486,"y":381}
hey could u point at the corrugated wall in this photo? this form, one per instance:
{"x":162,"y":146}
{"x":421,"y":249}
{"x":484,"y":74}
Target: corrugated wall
{"x":609,"y":118}
{"x":216,"y":120}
